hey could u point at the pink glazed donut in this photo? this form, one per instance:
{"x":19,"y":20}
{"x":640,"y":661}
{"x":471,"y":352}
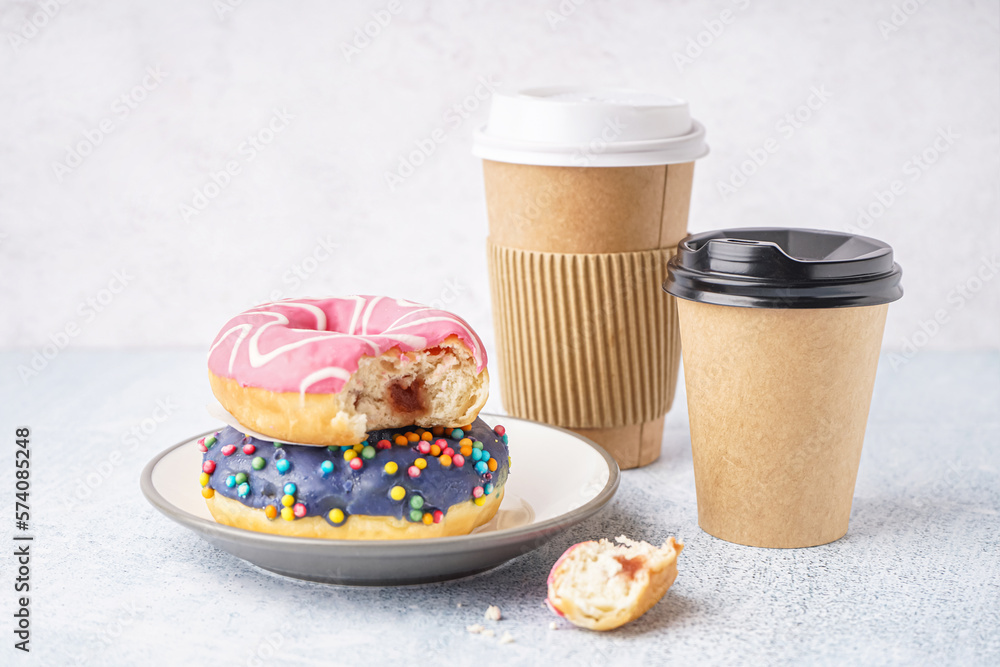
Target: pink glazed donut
{"x":327,"y":371}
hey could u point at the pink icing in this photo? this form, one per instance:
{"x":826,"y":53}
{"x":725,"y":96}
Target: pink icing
{"x":314,"y":345}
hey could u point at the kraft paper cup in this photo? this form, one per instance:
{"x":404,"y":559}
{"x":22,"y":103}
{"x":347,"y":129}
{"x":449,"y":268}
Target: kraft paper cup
{"x":781,"y":331}
{"x":587,"y":193}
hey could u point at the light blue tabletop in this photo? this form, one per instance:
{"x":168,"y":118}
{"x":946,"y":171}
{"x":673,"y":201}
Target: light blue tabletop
{"x":915,"y":581}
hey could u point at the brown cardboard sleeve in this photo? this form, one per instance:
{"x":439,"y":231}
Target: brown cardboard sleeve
{"x":778,"y":401}
{"x":588,"y":342}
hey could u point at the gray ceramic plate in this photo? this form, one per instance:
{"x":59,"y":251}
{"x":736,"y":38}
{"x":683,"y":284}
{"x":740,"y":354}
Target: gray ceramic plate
{"x":557,"y":480}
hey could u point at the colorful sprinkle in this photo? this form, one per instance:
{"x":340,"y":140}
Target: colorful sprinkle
{"x":391,"y":468}
{"x":231,"y":481}
{"x":420,"y":463}
{"x":356,"y":463}
{"x":448,"y":451}
{"x":413,"y":471}
{"x":477,"y":455}
{"x":282,"y":465}
{"x":258,"y":463}
{"x":228,"y":450}
{"x":504,"y":438}
{"x":488,"y":488}
{"x":445,"y":461}
{"x":209,"y":441}
{"x":271,"y":512}
{"x":479,"y":501}
{"x":458,"y":460}
{"x":287,"y":514}
{"x":326,"y":467}
{"x":249,"y":449}
{"x":241,"y":477}
{"x":412,"y":437}
{"x":383,"y":444}
{"x":397,"y":493}
{"x":477,"y":492}
{"x":207,"y":492}
{"x":368,"y":452}
{"x":427,"y":518}
{"x":438,"y":515}
{"x":482,"y":468}
{"x":477,"y":445}
{"x":243,"y":490}
{"x":201,"y":445}
{"x":350,"y":455}
{"x":299,"y":510}
{"x":435,"y":450}
{"x":437,"y":430}
{"x":457,"y":433}
{"x":203,"y":479}
{"x":287,"y":500}
{"x":401,"y":440}
{"x":416,"y":515}
{"x":425,"y":447}
{"x":416,"y":502}
{"x":290,"y":489}
{"x":464,"y":442}
{"x":466,"y":451}
{"x":486,"y":456}
{"x":208,"y":467}
{"x":499,"y":430}
{"x":337,"y":516}
{"x":492,"y":465}
{"x":426,"y":435}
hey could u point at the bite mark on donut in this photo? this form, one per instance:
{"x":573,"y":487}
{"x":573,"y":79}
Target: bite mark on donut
{"x":409,"y":398}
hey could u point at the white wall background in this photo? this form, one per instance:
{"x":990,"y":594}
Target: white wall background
{"x":65,"y":232}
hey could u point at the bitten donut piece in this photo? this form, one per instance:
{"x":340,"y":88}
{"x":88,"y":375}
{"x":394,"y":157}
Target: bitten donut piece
{"x":327,"y":371}
{"x":603,"y":586}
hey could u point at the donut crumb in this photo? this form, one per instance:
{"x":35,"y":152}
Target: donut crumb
{"x":507,"y":638}
{"x":492,"y":613}
{"x":475,"y":629}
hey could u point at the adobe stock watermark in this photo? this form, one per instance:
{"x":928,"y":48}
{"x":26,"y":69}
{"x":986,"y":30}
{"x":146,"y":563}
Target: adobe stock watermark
{"x":453,"y":288}
{"x":562,"y":12}
{"x":900,"y":15}
{"x":301,"y":270}
{"x":248,"y":150}
{"x":452,"y":119}
{"x":911,"y":171}
{"x":129,"y":443}
{"x":786,"y":127}
{"x":267,"y":647}
{"x":364,"y":34}
{"x":713,"y":29}
{"x":957,"y":299}
{"x":223,"y":8}
{"x":45,"y":11}
{"x":86,"y":311}
{"x":543,"y":199}
{"x":121,"y":108}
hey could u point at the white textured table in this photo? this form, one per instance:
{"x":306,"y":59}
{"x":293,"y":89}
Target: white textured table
{"x":916,"y":580}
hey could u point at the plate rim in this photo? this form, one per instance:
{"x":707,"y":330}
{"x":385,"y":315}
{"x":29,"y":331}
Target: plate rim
{"x":429,"y":545}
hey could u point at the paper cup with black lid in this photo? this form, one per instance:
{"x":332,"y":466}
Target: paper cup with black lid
{"x":587,"y":193}
{"x":780,"y":331}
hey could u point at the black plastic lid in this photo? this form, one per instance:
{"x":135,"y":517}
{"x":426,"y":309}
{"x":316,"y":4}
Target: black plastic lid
{"x":775,"y":267}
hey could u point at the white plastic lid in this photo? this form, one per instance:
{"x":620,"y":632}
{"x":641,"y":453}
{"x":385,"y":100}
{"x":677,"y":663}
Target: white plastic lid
{"x":565,"y":126}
